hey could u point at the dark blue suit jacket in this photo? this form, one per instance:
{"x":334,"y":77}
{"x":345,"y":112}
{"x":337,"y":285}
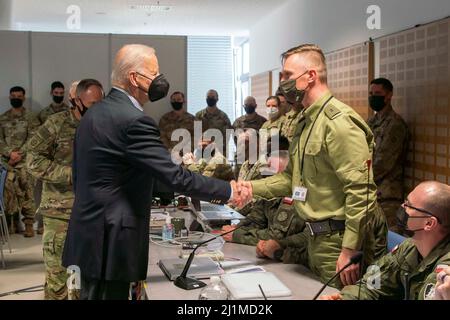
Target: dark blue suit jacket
{"x":117,"y":156}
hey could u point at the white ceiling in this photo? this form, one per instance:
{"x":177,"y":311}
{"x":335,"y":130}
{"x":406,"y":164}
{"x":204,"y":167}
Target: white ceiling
{"x":187,"y":17}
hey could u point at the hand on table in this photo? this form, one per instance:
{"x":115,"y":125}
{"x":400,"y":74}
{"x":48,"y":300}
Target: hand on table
{"x":228,"y":237}
{"x":335,"y":296}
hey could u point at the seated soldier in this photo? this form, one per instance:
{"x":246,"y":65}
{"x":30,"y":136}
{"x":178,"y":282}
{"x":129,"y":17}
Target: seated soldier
{"x":410,"y":270}
{"x":268,"y":219}
{"x":208,"y":161}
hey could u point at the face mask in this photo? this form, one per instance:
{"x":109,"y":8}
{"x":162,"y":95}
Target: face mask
{"x":402,"y":222}
{"x":376,"y":103}
{"x":290,"y":91}
{"x":158,"y":88}
{"x":82,"y":110}
{"x":249,"y":109}
{"x":16,"y":103}
{"x":177,"y":105}
{"x":272,"y":112}
{"x":211,"y":102}
{"x":58,"y":99}
{"x":72,"y":103}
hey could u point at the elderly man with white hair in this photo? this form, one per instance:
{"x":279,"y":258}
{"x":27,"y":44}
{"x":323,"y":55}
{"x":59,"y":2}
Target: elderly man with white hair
{"x":118,"y":155}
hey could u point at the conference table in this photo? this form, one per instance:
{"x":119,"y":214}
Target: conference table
{"x":303,"y":284}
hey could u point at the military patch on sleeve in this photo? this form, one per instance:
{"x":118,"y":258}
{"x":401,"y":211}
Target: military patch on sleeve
{"x":332,"y":112}
{"x":428,"y":293}
{"x":282,"y":216}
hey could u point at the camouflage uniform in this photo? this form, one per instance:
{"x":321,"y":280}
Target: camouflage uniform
{"x":249,"y":121}
{"x":15,"y":130}
{"x":49,"y":158}
{"x":51,"y":109}
{"x":403,"y":274}
{"x":290,"y":124}
{"x":274,"y":124}
{"x":217,"y":167}
{"x":391,"y":145}
{"x":170,"y":122}
{"x":215,"y":120}
{"x":280,"y":221}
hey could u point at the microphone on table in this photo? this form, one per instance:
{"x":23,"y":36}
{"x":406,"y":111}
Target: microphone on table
{"x":186,"y":283}
{"x":353,"y":260}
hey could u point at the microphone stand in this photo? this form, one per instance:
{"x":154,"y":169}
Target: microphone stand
{"x":186,"y":283}
{"x":353,"y":260}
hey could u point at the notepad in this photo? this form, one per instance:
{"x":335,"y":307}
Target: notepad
{"x":246,"y":285}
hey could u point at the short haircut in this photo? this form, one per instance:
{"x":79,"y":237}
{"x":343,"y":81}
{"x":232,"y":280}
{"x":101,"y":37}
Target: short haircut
{"x":17,"y":89}
{"x":57,"y":84}
{"x":438,"y":202}
{"x":387,"y":85}
{"x":177,"y":92}
{"x":314,"y":56}
{"x":84,"y":85}
{"x":214,"y":91}
{"x":274,"y":98}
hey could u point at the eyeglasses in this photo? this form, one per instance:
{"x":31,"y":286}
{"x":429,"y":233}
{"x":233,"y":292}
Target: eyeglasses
{"x":406,"y":204}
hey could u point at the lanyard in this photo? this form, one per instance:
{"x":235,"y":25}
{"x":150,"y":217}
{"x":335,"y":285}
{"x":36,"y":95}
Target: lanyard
{"x":309,"y":135}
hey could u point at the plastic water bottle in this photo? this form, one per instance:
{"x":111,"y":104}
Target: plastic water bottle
{"x":168,"y":229}
{"x":214,"y":291}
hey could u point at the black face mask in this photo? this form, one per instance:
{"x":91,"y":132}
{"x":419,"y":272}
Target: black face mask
{"x":73,"y":103}
{"x":58,"y":99}
{"x":290,"y":91}
{"x":376,"y":103}
{"x":177,"y":105}
{"x":158,"y":88}
{"x":16,"y":103}
{"x":249,"y":109}
{"x":83,"y":108}
{"x":211,"y":102}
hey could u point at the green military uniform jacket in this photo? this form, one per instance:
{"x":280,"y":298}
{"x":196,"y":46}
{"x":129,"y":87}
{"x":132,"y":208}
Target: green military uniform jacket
{"x":290,"y":124}
{"x":49,"y":158}
{"x":170,"y":122}
{"x":15,"y":130}
{"x":275,"y":124}
{"x":51,"y":109}
{"x":217,"y":167}
{"x":403,"y":274}
{"x":277,"y":220}
{"x":215,"y":120}
{"x":335,"y":170}
{"x":391,"y":146}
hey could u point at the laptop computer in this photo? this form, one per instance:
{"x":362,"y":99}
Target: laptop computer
{"x":213,"y":212}
{"x":201,"y":268}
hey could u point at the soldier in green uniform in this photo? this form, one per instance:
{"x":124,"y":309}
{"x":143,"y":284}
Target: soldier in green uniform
{"x":57,"y":105}
{"x":276,"y":117}
{"x":251,"y":119}
{"x":49,"y":159}
{"x":16,"y":127}
{"x":291,"y":121}
{"x":285,"y":106}
{"x":328,"y":175}
{"x":178,"y":118}
{"x":410,"y":270}
{"x":391,"y":146}
{"x":213,"y":118}
{"x":208,"y":161}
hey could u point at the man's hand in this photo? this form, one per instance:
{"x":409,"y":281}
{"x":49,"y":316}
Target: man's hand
{"x":270,"y":247}
{"x":188,"y":158}
{"x":228,"y":237}
{"x":350,"y":275}
{"x":245,"y":192}
{"x":335,"y":296}
{"x":442,"y":291}
{"x":260,"y":249}
{"x":14,"y":158}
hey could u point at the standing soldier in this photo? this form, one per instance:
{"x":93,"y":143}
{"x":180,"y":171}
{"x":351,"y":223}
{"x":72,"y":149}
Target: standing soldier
{"x":214,"y":118}
{"x":251,"y":119}
{"x":291,"y":121}
{"x":178,"y":118}
{"x":16,"y":127}
{"x":276,"y":117}
{"x":58,"y":104}
{"x":391,"y":146}
{"x":49,"y":159}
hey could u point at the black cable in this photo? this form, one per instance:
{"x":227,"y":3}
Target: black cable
{"x":25,"y":290}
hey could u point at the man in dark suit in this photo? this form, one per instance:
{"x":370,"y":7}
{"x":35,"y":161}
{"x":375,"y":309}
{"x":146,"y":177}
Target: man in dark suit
{"x":117,"y":156}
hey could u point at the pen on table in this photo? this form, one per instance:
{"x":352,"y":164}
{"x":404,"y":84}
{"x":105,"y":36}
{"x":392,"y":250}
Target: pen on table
{"x":264,"y":295}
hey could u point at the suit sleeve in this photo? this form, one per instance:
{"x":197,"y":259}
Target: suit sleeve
{"x":146,"y":151}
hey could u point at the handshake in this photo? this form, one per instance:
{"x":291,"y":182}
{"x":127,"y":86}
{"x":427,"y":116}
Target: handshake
{"x":242,"y":193}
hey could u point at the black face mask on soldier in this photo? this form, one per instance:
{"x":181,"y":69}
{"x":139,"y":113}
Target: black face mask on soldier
{"x":177,"y":105}
{"x":16,"y":103}
{"x":58,"y":99}
{"x":290,"y":91}
{"x":403,"y":217}
{"x":158,"y":88}
{"x":249,"y":109}
{"x":211,"y":102}
{"x":376,"y":103}
{"x":83,"y":108}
